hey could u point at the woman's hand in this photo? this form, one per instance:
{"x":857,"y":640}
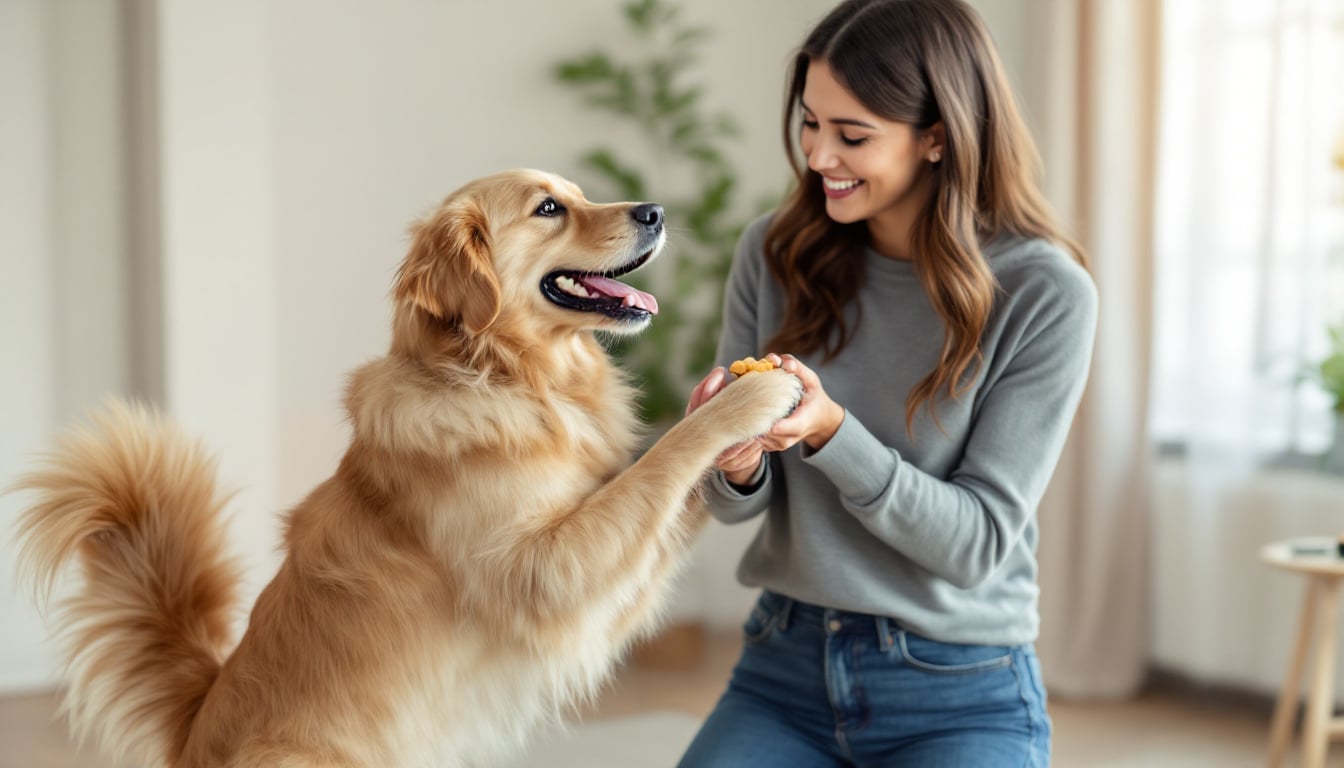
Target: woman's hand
{"x":816,"y":418}
{"x":739,"y":462}
{"x":707,"y":388}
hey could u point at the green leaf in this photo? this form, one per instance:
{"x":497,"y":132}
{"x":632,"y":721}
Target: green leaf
{"x":628,"y":181}
{"x":588,"y":69}
{"x":706,"y":155}
{"x":669,"y":103}
{"x":683,"y":132}
{"x":717,"y":194}
{"x":626,"y":88}
{"x":1332,"y":373}
{"x":646,"y":15}
{"x":639,"y":14}
{"x":677,"y":62}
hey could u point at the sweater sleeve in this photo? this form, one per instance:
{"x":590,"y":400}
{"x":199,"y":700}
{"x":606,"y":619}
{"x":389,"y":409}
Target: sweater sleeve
{"x":738,"y":338}
{"x":963,"y":528}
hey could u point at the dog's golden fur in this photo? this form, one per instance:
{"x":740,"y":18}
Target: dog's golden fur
{"x":483,"y":553}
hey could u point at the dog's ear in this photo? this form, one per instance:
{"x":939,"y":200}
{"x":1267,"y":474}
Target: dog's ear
{"x":448,"y":271}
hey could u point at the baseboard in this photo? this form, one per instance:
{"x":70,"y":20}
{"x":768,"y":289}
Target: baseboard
{"x":1210,"y":695}
{"x":681,"y":645}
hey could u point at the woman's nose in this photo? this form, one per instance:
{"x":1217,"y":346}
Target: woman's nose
{"x":821,"y":157}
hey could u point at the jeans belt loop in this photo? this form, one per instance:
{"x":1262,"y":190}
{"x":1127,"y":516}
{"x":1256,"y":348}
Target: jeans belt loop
{"x":784,"y":612}
{"x":884,"y":632}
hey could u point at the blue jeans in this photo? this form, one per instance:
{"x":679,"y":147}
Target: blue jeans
{"x":822,"y":687}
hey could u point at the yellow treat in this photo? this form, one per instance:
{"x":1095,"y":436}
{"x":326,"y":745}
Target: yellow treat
{"x":750,"y":365}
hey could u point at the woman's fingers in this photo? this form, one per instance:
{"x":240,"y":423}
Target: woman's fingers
{"x":707,"y":388}
{"x":736,"y":452}
{"x":815,"y":419}
{"x":744,"y":455}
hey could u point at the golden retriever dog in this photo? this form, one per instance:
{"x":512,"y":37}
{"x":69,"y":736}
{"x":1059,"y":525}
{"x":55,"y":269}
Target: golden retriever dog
{"x":487,"y":548}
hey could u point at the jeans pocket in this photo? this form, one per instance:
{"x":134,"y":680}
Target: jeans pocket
{"x":762,"y":621}
{"x":951,"y":658}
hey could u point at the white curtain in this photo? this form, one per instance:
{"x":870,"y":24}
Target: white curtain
{"x":1253,"y":99}
{"x":1249,"y":252}
{"x":1096,"y":127}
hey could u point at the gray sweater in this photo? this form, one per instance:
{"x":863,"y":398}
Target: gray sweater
{"x":938,"y":532}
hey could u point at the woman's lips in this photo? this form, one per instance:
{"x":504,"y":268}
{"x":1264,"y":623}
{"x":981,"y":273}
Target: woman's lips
{"x":839,"y":188}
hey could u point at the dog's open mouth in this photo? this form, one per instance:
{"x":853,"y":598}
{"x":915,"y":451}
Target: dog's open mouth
{"x":594,"y":292}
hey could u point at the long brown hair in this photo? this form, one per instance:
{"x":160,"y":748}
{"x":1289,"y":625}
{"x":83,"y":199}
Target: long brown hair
{"x":917,"y":62}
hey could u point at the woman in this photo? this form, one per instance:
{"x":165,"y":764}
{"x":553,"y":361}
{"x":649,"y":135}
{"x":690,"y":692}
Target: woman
{"x":942,"y":326}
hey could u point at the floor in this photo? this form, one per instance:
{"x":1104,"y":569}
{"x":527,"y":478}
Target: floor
{"x":659,"y":702}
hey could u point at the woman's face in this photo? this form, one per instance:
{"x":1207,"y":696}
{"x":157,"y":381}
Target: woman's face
{"x":870,"y":167}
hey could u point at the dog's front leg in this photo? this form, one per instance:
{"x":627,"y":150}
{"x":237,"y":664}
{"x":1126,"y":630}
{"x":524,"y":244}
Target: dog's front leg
{"x":641,"y":616}
{"x":609,"y":543}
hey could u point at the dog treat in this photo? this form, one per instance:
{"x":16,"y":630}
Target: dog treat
{"x":750,"y":365}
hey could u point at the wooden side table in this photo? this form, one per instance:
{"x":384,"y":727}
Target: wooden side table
{"x":1318,"y":561}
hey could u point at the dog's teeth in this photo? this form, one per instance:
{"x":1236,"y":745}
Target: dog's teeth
{"x":628,"y":301}
{"x":568,"y":285}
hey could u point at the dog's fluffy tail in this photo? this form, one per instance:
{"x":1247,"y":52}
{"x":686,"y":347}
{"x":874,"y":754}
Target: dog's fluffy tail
{"x":133,"y":502}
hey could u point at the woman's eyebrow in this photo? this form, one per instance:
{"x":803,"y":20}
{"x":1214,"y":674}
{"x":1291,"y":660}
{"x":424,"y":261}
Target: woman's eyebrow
{"x":842,"y":120}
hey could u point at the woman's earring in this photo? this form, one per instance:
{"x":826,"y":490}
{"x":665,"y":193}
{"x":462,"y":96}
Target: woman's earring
{"x":935,"y":156}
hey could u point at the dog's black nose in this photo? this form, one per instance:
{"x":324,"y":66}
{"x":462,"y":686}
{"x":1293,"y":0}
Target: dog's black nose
{"x":648,"y":214}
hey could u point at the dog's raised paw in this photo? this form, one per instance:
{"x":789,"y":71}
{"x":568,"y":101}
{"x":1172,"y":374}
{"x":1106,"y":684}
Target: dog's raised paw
{"x":752,"y":404}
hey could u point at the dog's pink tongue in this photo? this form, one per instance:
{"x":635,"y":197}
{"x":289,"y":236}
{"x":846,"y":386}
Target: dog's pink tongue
{"x":628,"y":295}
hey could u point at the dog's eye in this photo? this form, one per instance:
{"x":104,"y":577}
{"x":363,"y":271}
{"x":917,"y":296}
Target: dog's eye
{"x":549,"y":207}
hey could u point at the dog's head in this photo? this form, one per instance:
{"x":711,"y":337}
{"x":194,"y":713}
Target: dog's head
{"x":525,"y":250}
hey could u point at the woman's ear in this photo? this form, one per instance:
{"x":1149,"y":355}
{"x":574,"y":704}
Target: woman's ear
{"x":448,"y":271}
{"x":934,"y":142}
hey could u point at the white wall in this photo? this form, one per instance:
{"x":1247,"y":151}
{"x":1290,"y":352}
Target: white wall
{"x":218,"y":252}
{"x":25,"y":287}
{"x":64,"y":339}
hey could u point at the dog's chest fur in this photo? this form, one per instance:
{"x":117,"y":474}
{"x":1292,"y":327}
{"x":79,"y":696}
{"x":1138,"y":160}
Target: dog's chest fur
{"x":491,"y":673}
{"x":481,"y":702}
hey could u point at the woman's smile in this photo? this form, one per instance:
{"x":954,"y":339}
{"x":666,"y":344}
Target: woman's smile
{"x":839,"y":188}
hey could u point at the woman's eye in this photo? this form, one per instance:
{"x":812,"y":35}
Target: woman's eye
{"x":812,"y":125}
{"x":549,"y":207}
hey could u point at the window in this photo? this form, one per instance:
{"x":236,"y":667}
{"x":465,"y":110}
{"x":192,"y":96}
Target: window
{"x":1249,"y":252}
